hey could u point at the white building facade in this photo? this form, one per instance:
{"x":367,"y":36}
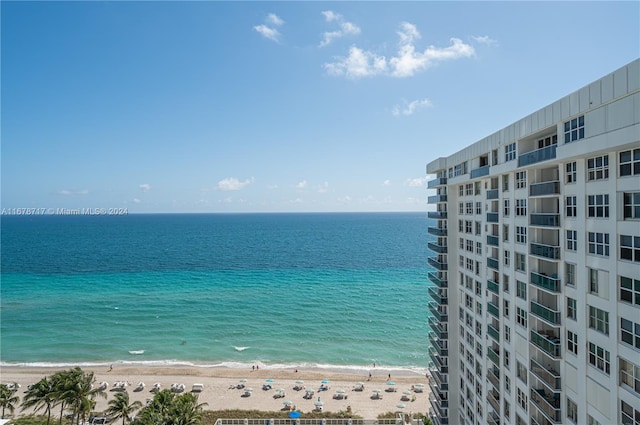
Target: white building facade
{"x":535,"y":303}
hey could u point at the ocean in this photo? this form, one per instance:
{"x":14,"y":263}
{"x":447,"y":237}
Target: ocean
{"x":336,"y":290}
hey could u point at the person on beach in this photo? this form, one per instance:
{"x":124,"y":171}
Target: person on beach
{"x":389,"y":377}
{"x":110,"y":368}
{"x":369,"y":377}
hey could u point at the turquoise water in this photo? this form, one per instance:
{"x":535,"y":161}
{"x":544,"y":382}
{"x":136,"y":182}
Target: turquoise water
{"x":335,"y":290}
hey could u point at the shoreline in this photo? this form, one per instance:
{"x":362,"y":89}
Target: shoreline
{"x":219,"y":382}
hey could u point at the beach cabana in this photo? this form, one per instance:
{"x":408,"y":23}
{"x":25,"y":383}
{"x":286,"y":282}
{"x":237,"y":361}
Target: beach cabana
{"x":377,"y":394}
{"x":309,"y":392}
{"x":299,"y":385}
{"x":359,"y":386}
{"x":406,"y":395}
{"x":340,"y":394}
{"x":391,"y":386}
{"x":279,"y":393}
{"x":247,"y":392}
{"x":418,"y":388}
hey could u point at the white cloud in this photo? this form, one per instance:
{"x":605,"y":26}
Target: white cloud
{"x":386,"y":183}
{"x":232,"y":183}
{"x":65,"y":192}
{"x":301,"y":185}
{"x":407,"y":62}
{"x":484,"y":39}
{"x":136,"y":201}
{"x":322,"y":188}
{"x":345,"y":199}
{"x":269,"y":30}
{"x":145,"y":187}
{"x":346,"y":28}
{"x":409,"y":108}
{"x":417,"y":182}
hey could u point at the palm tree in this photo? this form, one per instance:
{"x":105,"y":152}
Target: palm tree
{"x":8,"y":398}
{"x":40,"y":395}
{"x":75,"y":388}
{"x":119,"y":407}
{"x":187,"y":411}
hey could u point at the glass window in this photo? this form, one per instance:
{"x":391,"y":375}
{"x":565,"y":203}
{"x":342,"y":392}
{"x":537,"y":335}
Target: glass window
{"x":510,"y":152}
{"x":599,"y":357}
{"x":630,"y":248}
{"x":598,"y":206}
{"x":572,"y":240}
{"x":574,"y":129}
{"x":570,"y":172}
{"x":630,"y":163}
{"x":598,"y":243}
{"x":571,"y":206}
{"x":630,"y":290}
{"x":598,"y":168}
{"x":631,"y":205}
{"x":599,"y":320}
{"x":630,"y":332}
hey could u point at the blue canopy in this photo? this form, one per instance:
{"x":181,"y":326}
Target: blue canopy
{"x":295,"y":414}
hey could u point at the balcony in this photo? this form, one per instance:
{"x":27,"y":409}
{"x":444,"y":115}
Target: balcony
{"x":493,"y":310}
{"x":494,"y":400}
{"x":437,"y":231}
{"x":435,"y":295}
{"x":438,"y":361}
{"x":437,"y":409}
{"x":480,"y":172}
{"x":439,"y":314}
{"x":493,"y":263}
{"x":546,"y":375}
{"x":492,"y":194}
{"x":437,"y":215}
{"x":440,"y":379}
{"x":438,"y":345}
{"x":493,"y":419}
{"x":538,"y":155}
{"x":493,"y":333}
{"x":437,"y":182}
{"x":493,"y":240}
{"x":542,"y":189}
{"x":438,"y":263}
{"x":545,"y":313}
{"x":440,"y":249}
{"x":547,"y":403}
{"x":436,"y":198}
{"x":437,"y":280}
{"x":494,"y":378}
{"x":492,"y":217}
{"x":493,"y":356}
{"x":550,"y":283}
{"x":437,"y":328}
{"x":439,"y":395}
{"x":551,"y":252}
{"x":549,"y":343}
{"x":493,"y":287}
{"x":545,"y":220}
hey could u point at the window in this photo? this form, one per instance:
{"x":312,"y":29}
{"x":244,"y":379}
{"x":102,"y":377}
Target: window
{"x":521,"y":179}
{"x":469,"y":245}
{"x":630,"y":332}
{"x":571,"y":206}
{"x":591,"y":421}
{"x":469,"y":189}
{"x":505,"y":182}
{"x":507,"y":384}
{"x":478,"y":248}
{"x":510,"y":152}
{"x":570,"y":172}
{"x":598,"y":168}
{"x":593,"y":280}
{"x":507,"y":207}
{"x":599,"y":357}
{"x":598,"y":205}
{"x":521,"y":234}
{"x":521,"y":262}
{"x":599,"y":320}
{"x":521,"y":207}
{"x":630,"y":416}
{"x":460,"y":208}
{"x":521,"y":317}
{"x":521,"y":290}
{"x":469,"y":207}
{"x":574,"y":129}
{"x":630,"y":163}
{"x":476,"y":188}
{"x":506,"y":359}
{"x":507,"y":258}
{"x":505,"y":309}
{"x":522,"y":399}
{"x":460,"y":225}
{"x":572,"y":342}
{"x":570,"y":271}
{"x":507,"y":333}
{"x":572,"y":309}
{"x":505,"y":232}
{"x":521,"y":372}
{"x":461,"y":190}
{"x":478,"y":208}
{"x":630,"y":248}
{"x":630,"y":375}
{"x":572,"y":240}
{"x":468,"y":227}
{"x":630,"y":290}
{"x":598,"y":243}
{"x":572,"y":411}
{"x":631,"y":205}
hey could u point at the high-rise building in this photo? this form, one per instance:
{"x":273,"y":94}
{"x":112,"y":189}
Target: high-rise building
{"x":535,"y":246}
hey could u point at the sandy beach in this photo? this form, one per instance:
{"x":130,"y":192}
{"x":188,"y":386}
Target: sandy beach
{"x":219,"y":392}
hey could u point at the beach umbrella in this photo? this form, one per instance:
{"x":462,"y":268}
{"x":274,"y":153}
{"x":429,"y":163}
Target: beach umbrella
{"x":391,"y":383}
{"x":340,"y":391}
{"x":269,"y":380}
{"x":360,"y":383}
{"x":280,"y":389}
{"x":249,"y":389}
{"x":406,"y":392}
{"x":326,"y":381}
{"x":299,"y":382}
{"x":294,"y":415}
{"x":243,"y":380}
{"x":319,"y":403}
{"x":287,"y":403}
{"x":377,"y":391}
{"x":400,"y":406}
{"x":310,"y":391}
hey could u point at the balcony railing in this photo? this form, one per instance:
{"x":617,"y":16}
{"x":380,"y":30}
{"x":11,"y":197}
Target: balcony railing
{"x":548,"y":344}
{"x":440,"y":379}
{"x":438,"y":215}
{"x":493,"y":240}
{"x":494,"y":378}
{"x":437,"y":329}
{"x":493,"y":263}
{"x":547,"y":375}
{"x":438,"y":345}
{"x":547,"y":403}
{"x":438,"y":361}
{"x":437,"y":182}
{"x":436,"y":198}
{"x":547,"y":251}
{"x":492,"y":217}
{"x":435,"y":295}
{"x":440,"y":315}
{"x":479,"y":172}
{"x":494,"y":400}
{"x":439,"y":264}
{"x":493,"y":310}
{"x":493,"y":332}
{"x":545,"y":313}
{"x":550,"y":283}
{"x":545,"y":220}
{"x":436,"y":279}
{"x":437,"y":231}
{"x":492,"y":194}
{"x":547,"y":188}
{"x":493,"y":356}
{"x":493,"y":287}
{"x":538,"y":155}
{"x":441,"y":249}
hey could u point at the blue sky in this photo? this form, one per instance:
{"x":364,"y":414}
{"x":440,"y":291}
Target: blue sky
{"x":277,"y":106}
